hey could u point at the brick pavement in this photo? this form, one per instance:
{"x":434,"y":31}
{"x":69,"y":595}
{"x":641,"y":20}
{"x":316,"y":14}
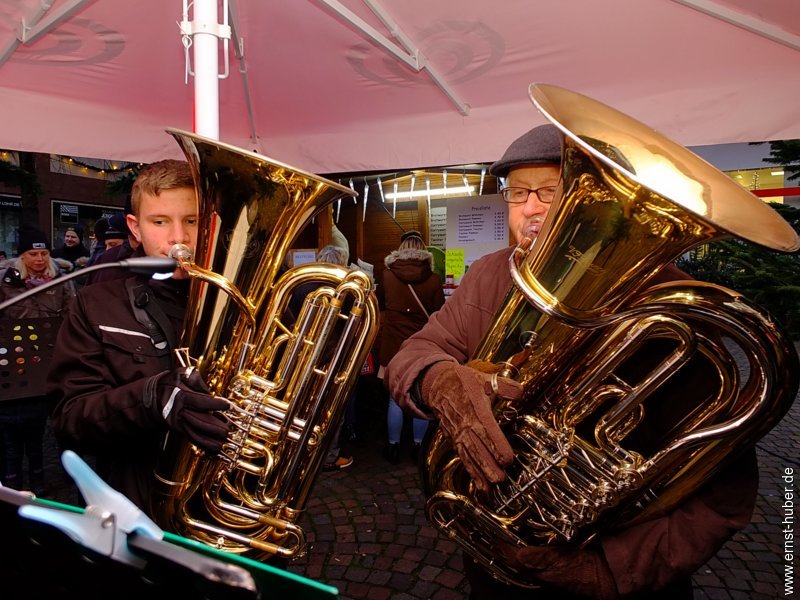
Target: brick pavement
{"x":369,"y":538}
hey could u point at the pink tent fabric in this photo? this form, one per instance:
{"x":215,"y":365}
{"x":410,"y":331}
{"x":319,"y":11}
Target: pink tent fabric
{"x":108,"y":80}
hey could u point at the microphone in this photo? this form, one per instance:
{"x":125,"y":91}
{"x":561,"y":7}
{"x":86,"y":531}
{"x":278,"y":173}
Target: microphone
{"x":143,"y":265}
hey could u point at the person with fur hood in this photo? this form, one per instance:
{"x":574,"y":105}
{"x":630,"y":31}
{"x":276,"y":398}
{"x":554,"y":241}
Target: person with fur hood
{"x":409,"y":293}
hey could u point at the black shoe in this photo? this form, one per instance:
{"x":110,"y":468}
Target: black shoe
{"x":392,"y":453}
{"x":415,"y":452}
{"x":340,"y":463}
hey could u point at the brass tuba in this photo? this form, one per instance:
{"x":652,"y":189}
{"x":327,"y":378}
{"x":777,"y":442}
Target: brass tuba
{"x":288,"y":377}
{"x":601,"y":439}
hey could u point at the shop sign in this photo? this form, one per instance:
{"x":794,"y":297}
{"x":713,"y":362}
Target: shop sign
{"x":10,"y":201}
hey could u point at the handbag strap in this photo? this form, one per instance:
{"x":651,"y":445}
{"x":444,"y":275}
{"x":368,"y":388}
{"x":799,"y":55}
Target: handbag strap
{"x":413,"y":293}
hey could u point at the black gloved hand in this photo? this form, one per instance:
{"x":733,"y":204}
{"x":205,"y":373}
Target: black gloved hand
{"x":183,"y":402}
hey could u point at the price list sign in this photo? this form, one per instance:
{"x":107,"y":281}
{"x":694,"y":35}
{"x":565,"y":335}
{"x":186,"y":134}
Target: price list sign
{"x":478,"y":225}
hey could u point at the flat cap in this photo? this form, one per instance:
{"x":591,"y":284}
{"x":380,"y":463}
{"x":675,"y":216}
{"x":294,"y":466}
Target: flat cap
{"x":540,"y":146}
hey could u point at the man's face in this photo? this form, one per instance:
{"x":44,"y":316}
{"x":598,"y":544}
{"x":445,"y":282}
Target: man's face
{"x":71,"y":239}
{"x":36,"y":261}
{"x":113,"y":243}
{"x":525,"y":220}
{"x":165,"y":220}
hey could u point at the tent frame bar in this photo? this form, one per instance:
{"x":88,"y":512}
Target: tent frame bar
{"x":35,"y":25}
{"x":412,"y":56}
{"x":748,"y":23}
{"x":238,"y":51}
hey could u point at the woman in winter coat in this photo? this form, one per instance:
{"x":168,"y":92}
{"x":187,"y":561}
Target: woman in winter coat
{"x":410,"y":292}
{"x":22,"y":417}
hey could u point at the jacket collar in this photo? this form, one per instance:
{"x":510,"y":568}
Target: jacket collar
{"x":408,"y":254}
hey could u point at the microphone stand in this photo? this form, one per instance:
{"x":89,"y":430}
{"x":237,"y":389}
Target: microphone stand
{"x":142,"y":265}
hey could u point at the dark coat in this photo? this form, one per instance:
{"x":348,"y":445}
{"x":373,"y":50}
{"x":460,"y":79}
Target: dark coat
{"x":115,"y":254}
{"x":70,"y":253}
{"x":51,"y":303}
{"x":104,"y":360}
{"x":402,"y":314}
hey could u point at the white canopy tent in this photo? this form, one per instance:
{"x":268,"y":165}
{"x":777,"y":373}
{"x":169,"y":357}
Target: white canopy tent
{"x":351,"y":85}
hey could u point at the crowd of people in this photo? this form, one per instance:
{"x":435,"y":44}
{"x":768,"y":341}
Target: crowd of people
{"x":114,"y":387}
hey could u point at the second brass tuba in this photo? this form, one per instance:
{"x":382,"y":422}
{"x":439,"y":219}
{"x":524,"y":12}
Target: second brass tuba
{"x":288,"y":376}
{"x":597,"y":442}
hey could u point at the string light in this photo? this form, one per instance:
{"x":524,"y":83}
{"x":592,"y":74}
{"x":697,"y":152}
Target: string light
{"x":355,"y":193}
{"x":108,"y":169}
{"x":428,"y":188}
{"x":366,"y":193}
{"x":380,"y":189}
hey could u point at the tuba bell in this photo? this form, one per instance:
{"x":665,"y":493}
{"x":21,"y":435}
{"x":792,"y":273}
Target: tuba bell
{"x":288,"y":376}
{"x":597,"y":441}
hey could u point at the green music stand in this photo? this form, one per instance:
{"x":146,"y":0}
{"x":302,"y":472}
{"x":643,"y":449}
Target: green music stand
{"x":112,"y":550}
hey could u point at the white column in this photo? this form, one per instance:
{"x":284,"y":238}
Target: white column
{"x":206,"y":68}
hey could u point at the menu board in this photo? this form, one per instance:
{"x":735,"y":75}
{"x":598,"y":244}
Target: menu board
{"x":438,"y":229}
{"x":476,"y":225}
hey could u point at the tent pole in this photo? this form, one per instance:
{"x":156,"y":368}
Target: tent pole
{"x":206,"y":75}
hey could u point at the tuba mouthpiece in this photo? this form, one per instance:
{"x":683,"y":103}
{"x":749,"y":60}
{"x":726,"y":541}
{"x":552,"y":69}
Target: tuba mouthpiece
{"x":181,"y":253}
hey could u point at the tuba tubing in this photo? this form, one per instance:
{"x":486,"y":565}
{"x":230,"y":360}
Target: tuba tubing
{"x":578,"y":316}
{"x":287,"y":377}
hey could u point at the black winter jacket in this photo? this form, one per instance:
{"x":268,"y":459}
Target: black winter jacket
{"x":104,"y":361}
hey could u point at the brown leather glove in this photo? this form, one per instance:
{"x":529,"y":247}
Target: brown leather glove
{"x":461,"y":398}
{"x":583,"y":572}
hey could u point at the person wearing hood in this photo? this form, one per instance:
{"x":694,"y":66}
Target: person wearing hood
{"x":73,"y":249}
{"x":410,"y":292}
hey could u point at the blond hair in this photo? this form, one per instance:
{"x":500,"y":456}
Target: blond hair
{"x":412,"y":242}
{"x":51,"y":271}
{"x":158,"y":177}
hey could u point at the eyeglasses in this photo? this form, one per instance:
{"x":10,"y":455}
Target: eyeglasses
{"x":520,"y":195}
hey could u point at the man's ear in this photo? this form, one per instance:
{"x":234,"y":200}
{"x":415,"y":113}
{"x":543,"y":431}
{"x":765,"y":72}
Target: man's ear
{"x":133,"y":225}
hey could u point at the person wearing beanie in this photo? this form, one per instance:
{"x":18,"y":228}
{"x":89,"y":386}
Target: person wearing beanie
{"x":430,"y":377}
{"x":99,"y":243}
{"x":23,"y":416}
{"x":117,"y":232}
{"x":120,"y":244}
{"x":73,"y":249}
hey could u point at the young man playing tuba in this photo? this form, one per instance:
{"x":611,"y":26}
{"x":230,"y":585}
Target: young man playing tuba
{"x":114,"y":377}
